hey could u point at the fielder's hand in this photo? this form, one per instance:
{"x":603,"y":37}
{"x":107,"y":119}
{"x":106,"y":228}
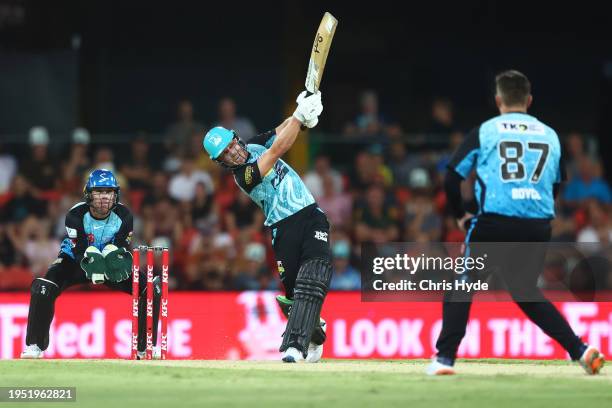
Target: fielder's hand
{"x":93,"y":265}
{"x":309,"y":108}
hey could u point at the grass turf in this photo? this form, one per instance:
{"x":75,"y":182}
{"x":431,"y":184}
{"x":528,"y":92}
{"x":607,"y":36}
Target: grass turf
{"x":174,"y":384}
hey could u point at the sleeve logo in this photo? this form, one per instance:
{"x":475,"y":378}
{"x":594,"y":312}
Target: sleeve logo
{"x":248,"y":175}
{"x":72,"y":233}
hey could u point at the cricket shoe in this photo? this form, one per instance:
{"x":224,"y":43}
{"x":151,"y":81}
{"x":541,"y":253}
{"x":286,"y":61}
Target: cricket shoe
{"x":315,"y":351}
{"x":440,"y":366}
{"x":32,"y":352}
{"x":141,"y":355}
{"x":592,"y":360}
{"x":293,"y":355}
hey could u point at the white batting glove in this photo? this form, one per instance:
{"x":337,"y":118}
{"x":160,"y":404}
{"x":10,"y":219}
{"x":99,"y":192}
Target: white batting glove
{"x":309,"y":108}
{"x":311,"y":123}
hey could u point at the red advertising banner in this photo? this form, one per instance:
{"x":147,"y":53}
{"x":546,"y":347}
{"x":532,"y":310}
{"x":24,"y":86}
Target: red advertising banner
{"x":249,"y":325}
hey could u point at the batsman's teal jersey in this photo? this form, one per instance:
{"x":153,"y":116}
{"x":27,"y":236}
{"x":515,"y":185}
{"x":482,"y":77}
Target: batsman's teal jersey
{"x":281,"y":192}
{"x":517,"y":160}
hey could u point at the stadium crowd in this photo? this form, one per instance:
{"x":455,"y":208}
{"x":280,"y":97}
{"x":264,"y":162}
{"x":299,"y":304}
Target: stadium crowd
{"x":389,"y":190}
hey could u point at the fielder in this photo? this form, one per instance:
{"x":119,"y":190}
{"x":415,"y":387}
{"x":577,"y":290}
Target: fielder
{"x":96,"y":249}
{"x":300,"y":230}
{"x":511,"y":152}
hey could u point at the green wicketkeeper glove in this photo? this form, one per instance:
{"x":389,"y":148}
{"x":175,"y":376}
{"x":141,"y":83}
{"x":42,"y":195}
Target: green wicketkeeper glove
{"x":118,"y":263}
{"x":93,"y":264}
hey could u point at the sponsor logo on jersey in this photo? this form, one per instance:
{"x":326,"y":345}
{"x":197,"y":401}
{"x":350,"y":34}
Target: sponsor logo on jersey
{"x":281,"y":171}
{"x":321,"y":235}
{"x":90,"y":238}
{"x":279,"y":266}
{"x":248,"y":175}
{"x":527,"y":128}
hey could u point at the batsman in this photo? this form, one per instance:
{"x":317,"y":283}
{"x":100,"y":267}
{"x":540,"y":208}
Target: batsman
{"x":96,"y":249}
{"x":300,"y":230}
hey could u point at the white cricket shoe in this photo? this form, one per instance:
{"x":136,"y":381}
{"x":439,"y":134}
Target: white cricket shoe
{"x":591,"y":360}
{"x":156,"y":354}
{"x":439,"y":368}
{"x":32,"y":352}
{"x":292,"y":355}
{"x":315,"y":351}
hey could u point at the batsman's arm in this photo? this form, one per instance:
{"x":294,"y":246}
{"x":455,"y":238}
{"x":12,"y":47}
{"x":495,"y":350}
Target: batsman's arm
{"x":267,"y":138}
{"x":286,"y":133}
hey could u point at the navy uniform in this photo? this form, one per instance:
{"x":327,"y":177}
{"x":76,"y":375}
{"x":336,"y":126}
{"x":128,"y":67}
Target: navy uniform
{"x":83,"y":231}
{"x":518,"y":168}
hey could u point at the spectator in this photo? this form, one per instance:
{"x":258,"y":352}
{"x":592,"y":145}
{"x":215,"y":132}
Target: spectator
{"x":251,"y":267}
{"x":599,"y":225}
{"x":442,"y":117}
{"x":33,"y":241}
{"x":383,"y":173}
{"x":183,"y":185}
{"x":8,"y":169}
{"x":204,"y":212}
{"x":73,"y":171}
{"x":363,"y":173}
{"x":162,"y":220}
{"x":345,"y":277}
{"x":138,"y":168}
{"x":39,"y":169}
{"x":370,"y":122}
{"x":157,"y":191}
{"x":376,"y":220}
{"x":588,"y":184}
{"x":228,"y":119}
{"x":178,"y":134}
{"x":574,"y":152}
{"x":7,"y":249}
{"x":314,"y":178}
{"x":401,"y":163}
{"x":423,"y":224}
{"x":454,"y":141}
{"x":243,"y":217}
{"x":336,"y":205}
{"x":23,"y":203}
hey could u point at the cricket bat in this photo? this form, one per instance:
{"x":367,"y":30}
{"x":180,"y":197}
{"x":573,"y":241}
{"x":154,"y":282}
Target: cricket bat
{"x":320,"y":50}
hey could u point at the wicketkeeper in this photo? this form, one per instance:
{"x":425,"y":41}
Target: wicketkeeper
{"x":95,"y":249}
{"x":300,"y":230}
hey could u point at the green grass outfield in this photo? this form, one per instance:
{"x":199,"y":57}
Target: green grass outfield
{"x":350,"y":383}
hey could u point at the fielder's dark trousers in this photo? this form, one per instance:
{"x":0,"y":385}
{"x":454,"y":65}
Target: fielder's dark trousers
{"x":497,"y":228}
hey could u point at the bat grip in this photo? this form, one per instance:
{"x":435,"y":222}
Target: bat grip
{"x":303,"y":127}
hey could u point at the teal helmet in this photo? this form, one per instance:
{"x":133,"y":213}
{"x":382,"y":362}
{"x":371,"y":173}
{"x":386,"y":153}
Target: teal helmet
{"x":217,"y":140}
